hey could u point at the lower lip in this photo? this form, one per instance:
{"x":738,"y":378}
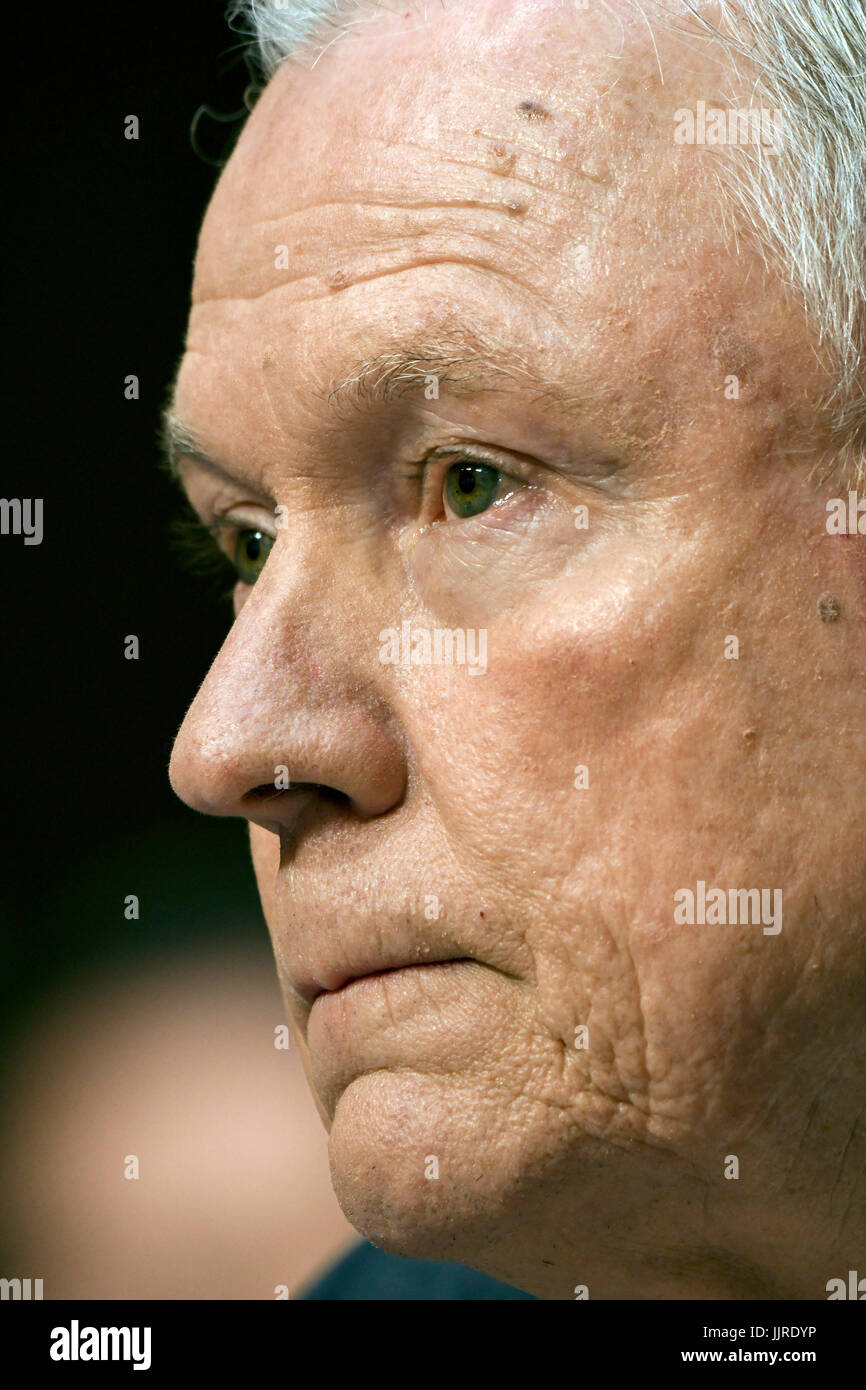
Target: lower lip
{"x":393,"y":1019}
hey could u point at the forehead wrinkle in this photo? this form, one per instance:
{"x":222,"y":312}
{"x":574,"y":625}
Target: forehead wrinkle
{"x":388,"y":198}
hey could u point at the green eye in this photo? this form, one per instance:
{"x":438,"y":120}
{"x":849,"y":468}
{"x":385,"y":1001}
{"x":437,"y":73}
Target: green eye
{"x":252,"y":548}
{"x":471,"y":488}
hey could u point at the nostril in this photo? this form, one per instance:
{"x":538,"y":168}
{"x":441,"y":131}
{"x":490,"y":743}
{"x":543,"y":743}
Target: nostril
{"x":290,"y":810}
{"x":267,"y":791}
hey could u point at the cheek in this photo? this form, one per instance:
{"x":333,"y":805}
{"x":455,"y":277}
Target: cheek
{"x":576,"y":763}
{"x":579,"y":670}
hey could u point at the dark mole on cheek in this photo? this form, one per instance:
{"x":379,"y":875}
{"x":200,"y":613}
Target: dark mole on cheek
{"x":531,"y":111}
{"x":829,"y":608}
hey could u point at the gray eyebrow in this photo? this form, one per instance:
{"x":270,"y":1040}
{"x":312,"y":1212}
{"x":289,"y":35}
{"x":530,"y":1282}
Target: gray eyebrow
{"x":464,"y":360}
{"x":179,"y":441}
{"x":389,"y":375}
{"x":385,"y":377}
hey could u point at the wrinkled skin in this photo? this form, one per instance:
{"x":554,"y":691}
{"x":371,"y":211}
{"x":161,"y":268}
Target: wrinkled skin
{"x":417,"y":198}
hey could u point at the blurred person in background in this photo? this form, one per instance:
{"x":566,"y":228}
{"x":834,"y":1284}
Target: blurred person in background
{"x":160,"y":1141}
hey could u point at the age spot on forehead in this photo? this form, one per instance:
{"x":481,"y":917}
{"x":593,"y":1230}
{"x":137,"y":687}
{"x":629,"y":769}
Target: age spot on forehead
{"x":829,"y":608}
{"x":532,"y":111}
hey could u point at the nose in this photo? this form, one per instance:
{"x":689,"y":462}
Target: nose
{"x":290,"y":707}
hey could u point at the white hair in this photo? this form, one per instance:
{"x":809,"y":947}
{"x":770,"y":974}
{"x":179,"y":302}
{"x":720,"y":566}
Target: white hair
{"x":282,"y":29}
{"x":805,"y":205}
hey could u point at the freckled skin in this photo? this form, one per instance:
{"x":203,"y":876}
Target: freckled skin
{"x":558,"y":1166}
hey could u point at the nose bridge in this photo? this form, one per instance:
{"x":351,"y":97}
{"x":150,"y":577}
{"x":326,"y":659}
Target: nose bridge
{"x":291,"y":697}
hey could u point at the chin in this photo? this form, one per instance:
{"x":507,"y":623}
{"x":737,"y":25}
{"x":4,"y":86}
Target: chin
{"x":388,"y":1129}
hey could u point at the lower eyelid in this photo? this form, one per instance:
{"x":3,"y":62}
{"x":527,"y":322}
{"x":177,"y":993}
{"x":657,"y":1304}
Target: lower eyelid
{"x":520,"y":504}
{"x":524,"y":498}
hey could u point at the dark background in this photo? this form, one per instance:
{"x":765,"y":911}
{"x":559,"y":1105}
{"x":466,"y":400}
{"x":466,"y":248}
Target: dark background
{"x":100,"y":240}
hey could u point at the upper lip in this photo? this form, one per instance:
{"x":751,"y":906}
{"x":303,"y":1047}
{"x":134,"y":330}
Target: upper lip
{"x":326,"y":979}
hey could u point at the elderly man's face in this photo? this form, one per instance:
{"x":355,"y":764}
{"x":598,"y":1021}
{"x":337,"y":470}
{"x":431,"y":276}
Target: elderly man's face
{"x":605,"y":499}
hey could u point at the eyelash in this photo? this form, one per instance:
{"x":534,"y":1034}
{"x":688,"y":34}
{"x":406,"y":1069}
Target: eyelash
{"x":197,"y":545}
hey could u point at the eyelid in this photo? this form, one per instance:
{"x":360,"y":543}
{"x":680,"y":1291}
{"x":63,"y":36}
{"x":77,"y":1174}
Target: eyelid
{"x":473,"y":453}
{"x":224,"y":526}
{"x":449,"y":454}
